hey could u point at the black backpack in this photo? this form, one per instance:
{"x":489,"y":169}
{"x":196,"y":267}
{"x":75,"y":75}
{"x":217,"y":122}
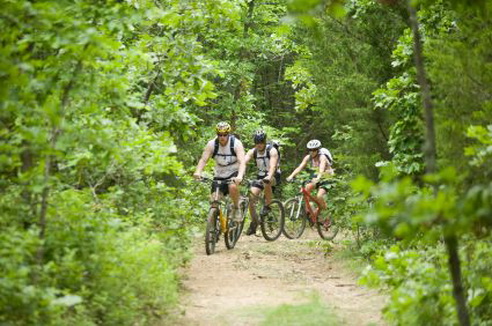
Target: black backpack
{"x":216,"y":146}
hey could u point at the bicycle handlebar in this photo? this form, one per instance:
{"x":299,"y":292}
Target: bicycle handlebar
{"x":218,"y":182}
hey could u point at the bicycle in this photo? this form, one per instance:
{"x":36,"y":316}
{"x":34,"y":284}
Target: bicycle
{"x":272,"y":217}
{"x":297,"y":217}
{"x":220,"y":221}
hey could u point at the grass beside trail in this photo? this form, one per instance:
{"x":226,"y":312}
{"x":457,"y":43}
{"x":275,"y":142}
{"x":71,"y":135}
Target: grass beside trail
{"x":313,"y":313}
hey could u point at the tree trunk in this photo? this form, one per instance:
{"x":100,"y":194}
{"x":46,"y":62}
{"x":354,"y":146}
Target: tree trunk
{"x":431,"y":166}
{"x":455,"y":269}
{"x":430,"y":139}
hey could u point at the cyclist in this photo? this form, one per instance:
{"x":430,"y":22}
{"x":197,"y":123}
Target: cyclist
{"x":321,"y":160}
{"x":228,"y":152}
{"x":266,"y":157}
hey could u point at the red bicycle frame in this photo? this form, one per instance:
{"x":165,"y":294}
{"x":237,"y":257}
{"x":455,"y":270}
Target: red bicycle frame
{"x":312,"y":213}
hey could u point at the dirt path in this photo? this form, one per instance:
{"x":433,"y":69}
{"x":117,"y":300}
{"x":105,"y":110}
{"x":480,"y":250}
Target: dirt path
{"x":232,"y":287}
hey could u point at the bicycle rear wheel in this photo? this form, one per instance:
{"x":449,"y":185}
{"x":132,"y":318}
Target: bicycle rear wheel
{"x":273,"y":222}
{"x":212,"y":231}
{"x":325,"y":225}
{"x":295,"y":220}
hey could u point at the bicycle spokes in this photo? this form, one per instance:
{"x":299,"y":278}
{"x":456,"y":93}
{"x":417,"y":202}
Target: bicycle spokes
{"x":295,"y":221}
{"x":272,"y":220}
{"x":325,"y":226}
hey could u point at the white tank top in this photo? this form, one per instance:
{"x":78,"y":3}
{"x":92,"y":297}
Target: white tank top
{"x":226,"y":163}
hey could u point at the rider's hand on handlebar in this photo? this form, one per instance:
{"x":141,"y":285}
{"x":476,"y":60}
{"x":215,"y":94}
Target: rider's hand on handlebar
{"x":267,"y":179}
{"x":197,"y":176}
{"x":315,"y":180}
{"x":289,"y":179}
{"x":238,"y":180}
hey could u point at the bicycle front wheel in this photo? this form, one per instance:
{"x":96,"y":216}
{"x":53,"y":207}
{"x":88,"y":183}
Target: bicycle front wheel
{"x":273,"y":222}
{"x":234,"y":229}
{"x":295,"y":220}
{"x":325,"y":225}
{"x":212,"y":231}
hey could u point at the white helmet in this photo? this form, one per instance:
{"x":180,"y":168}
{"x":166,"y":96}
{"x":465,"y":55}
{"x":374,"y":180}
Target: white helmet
{"x":313,"y":144}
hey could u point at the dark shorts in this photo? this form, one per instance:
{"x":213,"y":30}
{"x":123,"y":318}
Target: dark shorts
{"x":259,"y":184}
{"x":325,"y":184}
{"x":223,"y":188}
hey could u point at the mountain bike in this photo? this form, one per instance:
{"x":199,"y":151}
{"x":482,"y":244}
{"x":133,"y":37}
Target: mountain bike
{"x":271,"y":217}
{"x":304,"y":208}
{"x":220,"y":221}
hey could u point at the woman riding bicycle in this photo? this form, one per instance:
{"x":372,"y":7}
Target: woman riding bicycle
{"x":321,"y":160}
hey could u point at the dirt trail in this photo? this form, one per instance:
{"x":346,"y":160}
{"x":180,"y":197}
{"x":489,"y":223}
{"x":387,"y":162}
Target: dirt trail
{"x":231,"y":286}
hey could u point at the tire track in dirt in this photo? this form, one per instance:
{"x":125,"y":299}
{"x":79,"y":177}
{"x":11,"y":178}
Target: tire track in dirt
{"x":230,"y":287}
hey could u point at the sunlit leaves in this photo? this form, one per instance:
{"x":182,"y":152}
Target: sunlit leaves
{"x":482,"y":152}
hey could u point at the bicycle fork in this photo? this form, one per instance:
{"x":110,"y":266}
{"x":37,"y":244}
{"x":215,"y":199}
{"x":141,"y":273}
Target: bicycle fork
{"x":298,"y":209}
{"x":223,"y":221}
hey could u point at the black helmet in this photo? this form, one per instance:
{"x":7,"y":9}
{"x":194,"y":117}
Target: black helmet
{"x":260,"y":136}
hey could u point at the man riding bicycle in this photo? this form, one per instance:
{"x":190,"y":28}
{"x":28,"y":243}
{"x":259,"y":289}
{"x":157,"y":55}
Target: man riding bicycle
{"x":321,"y":160}
{"x":228,"y":152}
{"x":266,"y":158}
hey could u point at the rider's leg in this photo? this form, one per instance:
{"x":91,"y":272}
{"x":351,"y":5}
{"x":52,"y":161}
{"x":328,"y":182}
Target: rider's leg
{"x":253,"y":199}
{"x":268,"y":194}
{"x":234,"y":193}
{"x":269,"y":191}
{"x":321,"y":197}
{"x":310,"y":186}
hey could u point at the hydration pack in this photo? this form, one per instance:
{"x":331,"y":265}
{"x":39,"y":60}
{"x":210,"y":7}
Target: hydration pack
{"x":231,"y":143}
{"x":326,"y":152}
{"x":269,"y":146}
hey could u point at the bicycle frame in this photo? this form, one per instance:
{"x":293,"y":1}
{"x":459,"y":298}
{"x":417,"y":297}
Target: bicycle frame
{"x":307,"y":197}
{"x":300,"y":212}
{"x":219,"y":201}
{"x":219,"y":221}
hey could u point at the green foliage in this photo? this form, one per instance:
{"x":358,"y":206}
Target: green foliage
{"x":401,"y":97}
{"x":93,"y":226}
{"x":462,"y":77}
{"x":420,"y":285}
{"x":482,"y":152}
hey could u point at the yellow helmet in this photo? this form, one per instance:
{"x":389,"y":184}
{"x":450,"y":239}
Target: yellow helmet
{"x":223,"y":127}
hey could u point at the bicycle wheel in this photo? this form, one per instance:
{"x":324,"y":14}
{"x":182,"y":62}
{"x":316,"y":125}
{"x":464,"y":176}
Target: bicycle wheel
{"x":243,"y":204}
{"x":212,"y":231}
{"x":233,"y":230}
{"x":325,"y":225}
{"x":295,"y":220}
{"x":273,"y":222}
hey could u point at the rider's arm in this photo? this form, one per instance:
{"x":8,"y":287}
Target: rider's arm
{"x":273,"y":163}
{"x":249,"y":156}
{"x":207,"y":152}
{"x":299,"y":168}
{"x":241,"y":158}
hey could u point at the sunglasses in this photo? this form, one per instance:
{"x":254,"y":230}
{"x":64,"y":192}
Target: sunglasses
{"x":222,"y":134}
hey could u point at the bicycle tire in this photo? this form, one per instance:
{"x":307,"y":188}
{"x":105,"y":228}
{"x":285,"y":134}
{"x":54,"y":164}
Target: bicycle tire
{"x":295,"y":220}
{"x":233,"y":230}
{"x":327,"y":229}
{"x":272,"y":223}
{"x":212,"y":231}
{"x":243,"y":204}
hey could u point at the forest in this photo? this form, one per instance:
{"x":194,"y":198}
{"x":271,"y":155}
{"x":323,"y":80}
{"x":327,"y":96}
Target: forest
{"x":106,"y":106}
